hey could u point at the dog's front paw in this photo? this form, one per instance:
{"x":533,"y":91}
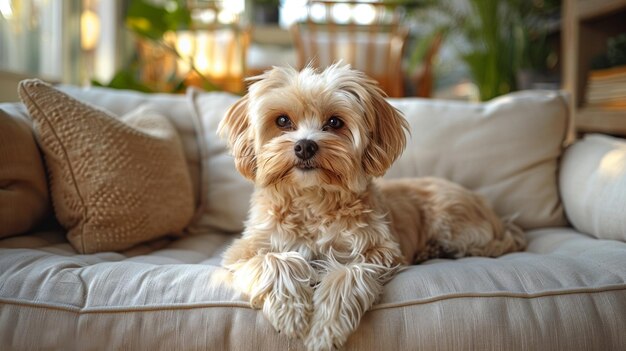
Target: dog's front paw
{"x":256,"y":301}
{"x":289,"y":314}
{"x":288,"y":305}
{"x":325,"y":336}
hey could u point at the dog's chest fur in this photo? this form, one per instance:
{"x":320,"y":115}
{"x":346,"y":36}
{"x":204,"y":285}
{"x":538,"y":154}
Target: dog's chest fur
{"x":313,"y":221}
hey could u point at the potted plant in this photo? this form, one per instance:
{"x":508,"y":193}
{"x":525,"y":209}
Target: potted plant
{"x":496,"y":39}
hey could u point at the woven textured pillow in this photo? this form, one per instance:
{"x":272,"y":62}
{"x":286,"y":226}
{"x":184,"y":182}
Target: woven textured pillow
{"x":114,"y":183}
{"x":175,"y":107}
{"x":23,"y":190}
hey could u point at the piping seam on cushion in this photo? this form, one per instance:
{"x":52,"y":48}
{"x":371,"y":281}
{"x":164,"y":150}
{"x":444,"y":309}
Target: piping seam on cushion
{"x":241,"y":304}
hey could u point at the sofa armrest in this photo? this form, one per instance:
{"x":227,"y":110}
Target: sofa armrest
{"x":592,"y":183}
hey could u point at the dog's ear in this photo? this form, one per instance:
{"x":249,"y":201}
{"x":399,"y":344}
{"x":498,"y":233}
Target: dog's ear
{"x":385,"y":124}
{"x":235,"y":127}
{"x":388,"y":127}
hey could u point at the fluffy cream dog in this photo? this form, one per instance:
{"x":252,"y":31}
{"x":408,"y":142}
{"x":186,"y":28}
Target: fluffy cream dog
{"x":322,"y":238}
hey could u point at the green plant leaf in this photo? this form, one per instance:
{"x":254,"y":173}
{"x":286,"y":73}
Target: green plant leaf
{"x":179,"y":18}
{"x":152,"y":22}
{"x":148,"y":20}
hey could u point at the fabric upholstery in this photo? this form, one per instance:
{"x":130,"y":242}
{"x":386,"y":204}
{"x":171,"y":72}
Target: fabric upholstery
{"x":226,"y":193}
{"x":506,"y":149}
{"x":24,"y":199}
{"x":567,"y":292}
{"x":113,"y":183}
{"x":593,"y":186}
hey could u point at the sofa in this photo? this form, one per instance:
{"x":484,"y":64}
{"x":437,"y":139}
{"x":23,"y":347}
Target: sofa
{"x":62,"y":289}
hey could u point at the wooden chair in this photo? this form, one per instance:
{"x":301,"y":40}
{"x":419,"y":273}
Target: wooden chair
{"x":423,"y":78}
{"x":375,"y":47}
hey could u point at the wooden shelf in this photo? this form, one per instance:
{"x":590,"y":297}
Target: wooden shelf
{"x":586,"y":26}
{"x":590,"y":9}
{"x":598,"y":120}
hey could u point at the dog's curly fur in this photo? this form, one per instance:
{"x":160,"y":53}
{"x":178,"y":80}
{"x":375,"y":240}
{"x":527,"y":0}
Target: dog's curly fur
{"x":323,"y":236}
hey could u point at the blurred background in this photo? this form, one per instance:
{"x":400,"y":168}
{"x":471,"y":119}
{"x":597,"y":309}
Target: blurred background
{"x":452,"y":49}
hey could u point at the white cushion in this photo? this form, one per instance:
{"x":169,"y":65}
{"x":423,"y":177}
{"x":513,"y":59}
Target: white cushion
{"x":593,"y":186}
{"x":506,"y":149}
{"x":226,"y":194}
{"x":567,"y":290}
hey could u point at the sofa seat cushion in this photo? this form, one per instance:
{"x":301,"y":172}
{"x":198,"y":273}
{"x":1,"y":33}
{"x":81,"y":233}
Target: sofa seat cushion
{"x":567,"y":291}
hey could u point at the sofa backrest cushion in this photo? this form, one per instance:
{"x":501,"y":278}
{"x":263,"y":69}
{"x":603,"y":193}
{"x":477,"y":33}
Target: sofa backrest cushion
{"x":226,"y":193}
{"x":506,"y":149}
{"x":593,"y":186}
{"x":114,"y":183}
{"x":24,"y":199}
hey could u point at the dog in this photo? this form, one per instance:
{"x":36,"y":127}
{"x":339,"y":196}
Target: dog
{"x":323,"y":234}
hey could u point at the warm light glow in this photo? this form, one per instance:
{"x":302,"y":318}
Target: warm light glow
{"x":185,"y":44}
{"x":209,"y":51}
{"x":612,"y":164}
{"x":318,"y":12}
{"x":89,"y":30}
{"x":205,"y":16}
{"x":216,"y":54}
{"x":234,"y":6}
{"x":341,"y":13}
{"x":292,"y":11}
{"x":5,"y":9}
{"x":221,"y":41}
{"x":364,"y":14}
{"x":203,"y":52}
{"x":226,"y":16}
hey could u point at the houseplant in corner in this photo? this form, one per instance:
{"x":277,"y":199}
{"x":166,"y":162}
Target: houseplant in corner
{"x":506,"y":39}
{"x":496,"y":39}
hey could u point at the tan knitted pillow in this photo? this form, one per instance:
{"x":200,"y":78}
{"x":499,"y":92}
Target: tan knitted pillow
{"x":23,"y":189}
{"x":113,"y":183}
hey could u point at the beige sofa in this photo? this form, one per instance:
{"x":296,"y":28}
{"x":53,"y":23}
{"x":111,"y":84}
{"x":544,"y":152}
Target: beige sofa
{"x":567,"y":291}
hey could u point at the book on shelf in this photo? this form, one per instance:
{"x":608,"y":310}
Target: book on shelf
{"x":606,"y":88}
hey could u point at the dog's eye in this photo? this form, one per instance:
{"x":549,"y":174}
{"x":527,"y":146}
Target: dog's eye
{"x":283,"y":122}
{"x":334,"y":122}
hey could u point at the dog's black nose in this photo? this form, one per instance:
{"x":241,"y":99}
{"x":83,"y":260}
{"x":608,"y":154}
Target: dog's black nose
{"x":305,"y":149}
